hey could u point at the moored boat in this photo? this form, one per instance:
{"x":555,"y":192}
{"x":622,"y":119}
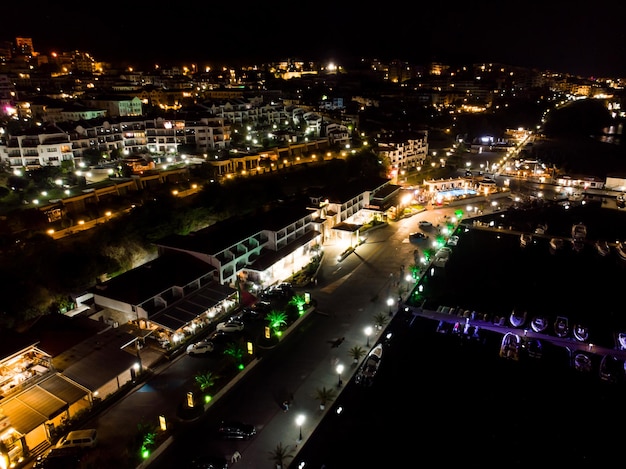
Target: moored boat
{"x":582,"y":362}
{"x":556,"y":243}
{"x":602,"y":247}
{"x":368,"y":370}
{"x":539,"y":323}
{"x":578,"y":244}
{"x":534,"y":348}
{"x":621,"y":340}
{"x":517,"y":319}
{"x":611,"y":369}
{"x":510,"y":346}
{"x":580,"y":332}
{"x":561,"y":326}
{"x":620,"y":248}
{"x":525,"y":239}
{"x":579,"y":231}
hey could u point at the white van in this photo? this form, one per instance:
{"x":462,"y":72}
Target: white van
{"x":79,"y":438}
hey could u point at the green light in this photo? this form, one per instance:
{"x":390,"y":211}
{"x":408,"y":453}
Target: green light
{"x":207,"y":399}
{"x":145,"y":454}
{"x":240,"y":366}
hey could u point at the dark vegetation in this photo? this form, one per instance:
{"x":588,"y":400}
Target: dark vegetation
{"x":39,"y":275}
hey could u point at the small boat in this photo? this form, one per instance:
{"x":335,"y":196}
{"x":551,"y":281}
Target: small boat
{"x":579,"y":231}
{"x":611,"y":369}
{"x":602,"y":247}
{"x":525,"y":239}
{"x":539,"y":323}
{"x":444,"y":327}
{"x":621,"y":340}
{"x":561,"y":326}
{"x":582,"y":362}
{"x":517,"y":319}
{"x":368,"y":370}
{"x":510,"y":346}
{"x":620,"y":248}
{"x":578,"y":244}
{"x":534,"y":348}
{"x":581,"y":332}
{"x":556,"y":244}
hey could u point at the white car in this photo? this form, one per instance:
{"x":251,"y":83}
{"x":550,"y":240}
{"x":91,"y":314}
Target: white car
{"x":200,"y":348}
{"x":230,"y":326}
{"x":424,"y":224}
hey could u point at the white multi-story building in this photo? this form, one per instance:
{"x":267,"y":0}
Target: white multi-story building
{"x":67,"y":141}
{"x":49,"y":147}
{"x":404,"y":154}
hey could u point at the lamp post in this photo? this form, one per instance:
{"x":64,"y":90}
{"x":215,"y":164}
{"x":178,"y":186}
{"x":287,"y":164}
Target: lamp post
{"x":339,"y":371}
{"x":390,"y":304}
{"x":368,"y":332}
{"x":299,"y":422}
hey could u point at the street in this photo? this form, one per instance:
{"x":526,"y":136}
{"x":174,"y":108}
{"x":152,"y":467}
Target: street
{"x":349,"y":294}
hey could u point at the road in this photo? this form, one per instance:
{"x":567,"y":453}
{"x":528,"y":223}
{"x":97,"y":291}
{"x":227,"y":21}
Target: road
{"x":348,"y":294}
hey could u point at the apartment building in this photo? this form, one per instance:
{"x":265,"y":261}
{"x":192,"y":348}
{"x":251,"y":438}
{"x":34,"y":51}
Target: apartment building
{"x":404,"y":153}
{"x":67,"y":141}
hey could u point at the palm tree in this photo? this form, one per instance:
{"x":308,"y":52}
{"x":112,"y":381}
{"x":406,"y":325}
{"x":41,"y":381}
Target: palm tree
{"x":280,"y":454}
{"x":276,"y":319}
{"x":205,"y":379}
{"x":324,"y":395}
{"x":380,"y":320}
{"x":235,"y":350}
{"x":356,"y":353}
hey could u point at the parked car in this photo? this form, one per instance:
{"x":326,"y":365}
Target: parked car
{"x":417,"y":236}
{"x":219,"y":339}
{"x":60,"y":458}
{"x":262,"y":307}
{"x":424,"y":224}
{"x":248,"y":315}
{"x":277,"y":292}
{"x":200,"y":348}
{"x":81,"y":438}
{"x":236,"y":430}
{"x":230,"y":326}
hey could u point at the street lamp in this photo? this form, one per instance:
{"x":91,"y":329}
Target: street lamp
{"x":390,"y":304}
{"x":339,"y":371}
{"x":368,"y":332}
{"x":299,"y":421}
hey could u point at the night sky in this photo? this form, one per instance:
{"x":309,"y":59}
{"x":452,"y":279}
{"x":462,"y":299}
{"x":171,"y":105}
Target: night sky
{"x":572,"y":37}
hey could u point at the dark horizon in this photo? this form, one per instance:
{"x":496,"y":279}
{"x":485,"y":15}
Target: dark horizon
{"x":577,"y":41}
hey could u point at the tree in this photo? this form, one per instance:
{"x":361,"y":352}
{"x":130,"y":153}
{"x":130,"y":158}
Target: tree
{"x":324,"y":395}
{"x":280,"y":454}
{"x":205,"y":379}
{"x":235,"y":351}
{"x":92,"y":156}
{"x":380,"y":320}
{"x":277,"y":319}
{"x":356,"y":353}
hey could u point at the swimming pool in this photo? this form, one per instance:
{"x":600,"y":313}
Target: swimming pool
{"x":455,"y":193}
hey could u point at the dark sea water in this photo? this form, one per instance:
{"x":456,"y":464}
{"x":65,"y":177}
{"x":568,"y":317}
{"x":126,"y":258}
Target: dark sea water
{"x":445,"y":400}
